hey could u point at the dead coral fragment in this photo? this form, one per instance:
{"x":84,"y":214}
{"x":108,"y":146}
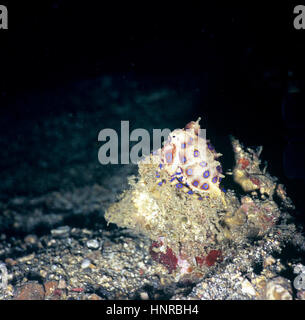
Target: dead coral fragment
{"x":278,"y":288}
{"x":210,"y":260}
{"x":168,"y":259}
{"x":247,"y":172}
{"x":191,"y":234}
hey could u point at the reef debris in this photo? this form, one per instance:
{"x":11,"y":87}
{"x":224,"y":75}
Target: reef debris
{"x":178,"y":203}
{"x":247,"y":172}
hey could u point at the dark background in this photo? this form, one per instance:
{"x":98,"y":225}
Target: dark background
{"x":69,"y":70}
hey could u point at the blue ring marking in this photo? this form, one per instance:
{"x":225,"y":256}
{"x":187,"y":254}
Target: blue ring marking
{"x":203,"y":164}
{"x":190,"y":192}
{"x":219,"y":179}
{"x":214,"y":180}
{"x":189,"y":172}
{"x":190,"y":141}
{"x":183,"y":145}
{"x":160,"y":183}
{"x":171,"y":180}
{"x":179,"y":185}
{"x":200,"y":198}
{"x":224,"y":190}
{"x":180,"y":179}
{"x":205,"y":186}
{"x":219,"y":169}
{"x":196,"y":153}
{"x":195,"y":183}
{"x":206,"y":174}
{"x":160,"y":165}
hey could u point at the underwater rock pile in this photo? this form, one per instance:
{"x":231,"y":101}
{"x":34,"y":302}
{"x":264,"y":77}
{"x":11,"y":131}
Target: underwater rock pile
{"x":177,"y":201}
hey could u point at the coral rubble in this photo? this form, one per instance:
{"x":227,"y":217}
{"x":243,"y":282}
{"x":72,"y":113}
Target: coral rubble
{"x":177,"y":201}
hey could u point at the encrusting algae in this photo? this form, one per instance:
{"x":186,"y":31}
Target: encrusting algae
{"x":178,"y":202}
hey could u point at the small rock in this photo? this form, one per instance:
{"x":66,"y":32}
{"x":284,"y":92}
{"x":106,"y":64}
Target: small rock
{"x":260,"y":283}
{"x":53,"y":267}
{"x":31,"y":239}
{"x":43,"y":273}
{"x":278,"y":288}
{"x":85,"y":264}
{"x":87,"y":232}
{"x":11,"y":262}
{"x":94,"y":297}
{"x":299,"y":268}
{"x":10,"y":290}
{"x":50,"y":287}
{"x":93,"y":244}
{"x":27,"y":258}
{"x":62,"y":284}
{"x":247,"y":288}
{"x":30,"y":291}
{"x":144,"y":296}
{"x":60,"y":232}
{"x":269,"y":261}
{"x":51,"y":243}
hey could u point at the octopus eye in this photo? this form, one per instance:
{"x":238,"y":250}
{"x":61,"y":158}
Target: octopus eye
{"x":206,"y":174}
